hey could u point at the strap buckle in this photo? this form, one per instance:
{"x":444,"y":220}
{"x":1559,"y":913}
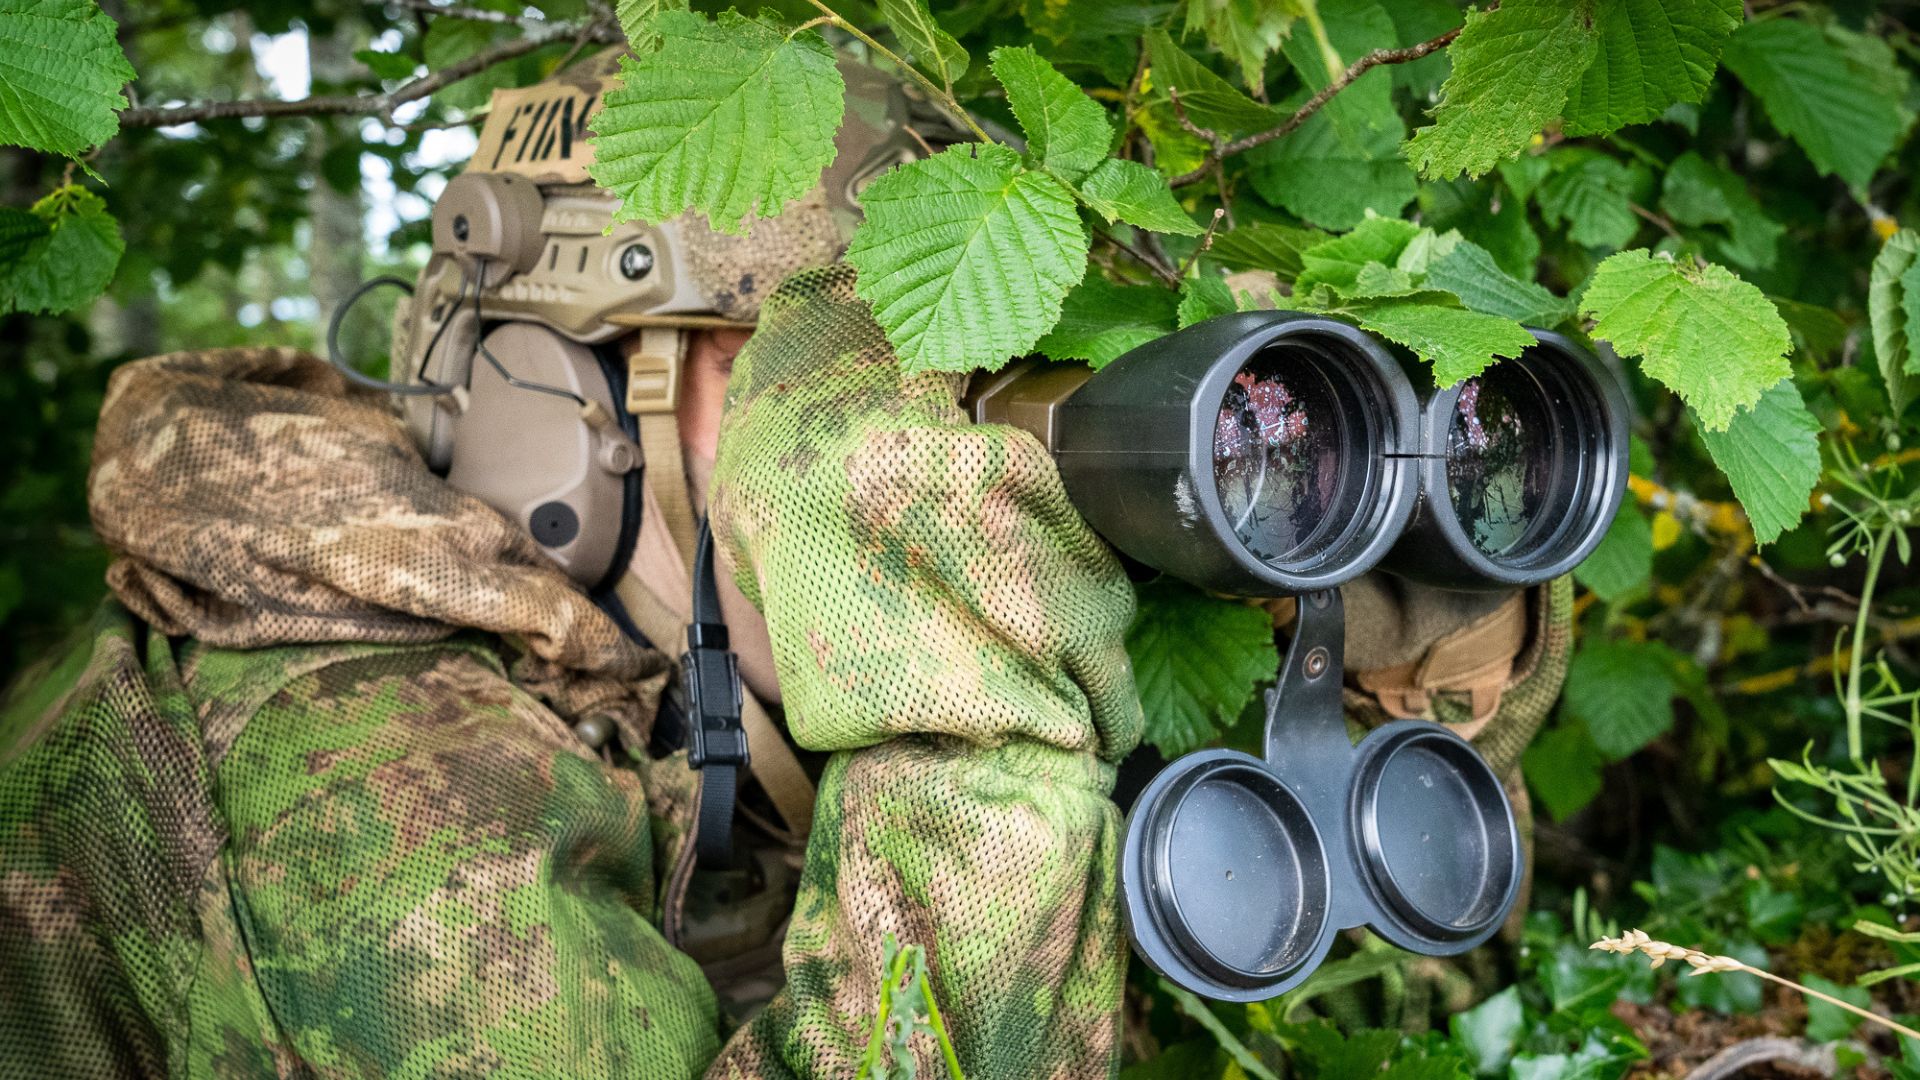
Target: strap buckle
{"x":715,"y":735}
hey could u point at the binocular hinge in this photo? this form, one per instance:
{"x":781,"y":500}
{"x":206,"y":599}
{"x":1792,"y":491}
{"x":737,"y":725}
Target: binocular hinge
{"x":1305,"y":725}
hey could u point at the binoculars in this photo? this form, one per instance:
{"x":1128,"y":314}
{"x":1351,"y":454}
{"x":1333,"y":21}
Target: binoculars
{"x":1276,"y":453}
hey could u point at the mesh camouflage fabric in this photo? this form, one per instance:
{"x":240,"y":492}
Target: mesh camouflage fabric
{"x":943,"y":619}
{"x":345,"y":859}
{"x":1529,"y":695}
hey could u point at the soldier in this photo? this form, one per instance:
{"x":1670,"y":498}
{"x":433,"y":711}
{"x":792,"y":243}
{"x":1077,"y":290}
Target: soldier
{"x":362,"y":771}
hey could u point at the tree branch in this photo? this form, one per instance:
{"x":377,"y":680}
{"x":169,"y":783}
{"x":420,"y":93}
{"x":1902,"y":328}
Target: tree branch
{"x":381,"y":105}
{"x":1314,"y":104}
{"x":459,"y":11}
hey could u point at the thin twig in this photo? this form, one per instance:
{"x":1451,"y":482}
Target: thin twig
{"x":1666,"y":226}
{"x":1359,"y":67}
{"x":1206,"y":135}
{"x":381,"y":105}
{"x":1160,"y":269}
{"x":1206,"y":241}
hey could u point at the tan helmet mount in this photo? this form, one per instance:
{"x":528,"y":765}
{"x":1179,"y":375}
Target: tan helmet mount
{"x":543,"y":337}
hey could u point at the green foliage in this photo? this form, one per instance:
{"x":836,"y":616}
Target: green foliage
{"x":932,"y":48}
{"x":733,"y":118}
{"x":1101,"y":320}
{"x":1623,"y":691}
{"x":1623,"y":562}
{"x":1196,"y":660}
{"x":1711,"y":337}
{"x":60,"y":82}
{"x":1067,"y":131}
{"x":1652,"y":54}
{"x":1209,"y":100}
{"x":1513,"y":68}
{"x":1129,"y":191}
{"x":1770,"y":454}
{"x":965,"y":231}
{"x":65,"y":261}
{"x":1893,"y":303}
{"x":1831,"y":94}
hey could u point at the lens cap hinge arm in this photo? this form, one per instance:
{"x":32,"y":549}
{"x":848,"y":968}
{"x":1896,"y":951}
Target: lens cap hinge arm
{"x":1306,"y":729}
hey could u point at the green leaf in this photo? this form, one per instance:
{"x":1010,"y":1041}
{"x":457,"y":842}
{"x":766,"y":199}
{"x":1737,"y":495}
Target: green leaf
{"x":71,"y":264}
{"x":19,"y":231}
{"x":1709,"y":336}
{"x":1490,"y":1031}
{"x":1697,"y":193}
{"x":1592,"y":196}
{"x":1827,"y":1022}
{"x":1321,"y":178}
{"x":387,"y":65}
{"x":1512,"y":69}
{"x":61,"y":75}
{"x":1820,"y":94}
{"x":1345,"y":160}
{"x":1623,"y":691}
{"x":1210,"y":101}
{"x":1196,"y":660}
{"x":1469,"y":272}
{"x":1458,"y":343}
{"x":1067,"y":131}
{"x":1562,"y":768}
{"x":449,"y":41}
{"x":1264,"y":246}
{"x":1131,"y":192}
{"x":1771,"y":455}
{"x":1101,"y":320}
{"x":1245,"y":31}
{"x":931,"y":47}
{"x":1892,"y":308}
{"x":966,"y":256}
{"x":1337,"y":262}
{"x":1652,"y":53}
{"x":1623,"y":563}
{"x":1203,"y":297}
{"x":636,"y":20}
{"x":733,"y":118}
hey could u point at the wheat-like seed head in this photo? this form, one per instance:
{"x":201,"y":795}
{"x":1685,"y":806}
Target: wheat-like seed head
{"x":1637,"y":941}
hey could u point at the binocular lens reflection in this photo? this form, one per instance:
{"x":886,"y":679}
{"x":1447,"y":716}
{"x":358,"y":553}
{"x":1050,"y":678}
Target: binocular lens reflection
{"x":1282,"y":455}
{"x":1501,"y":458}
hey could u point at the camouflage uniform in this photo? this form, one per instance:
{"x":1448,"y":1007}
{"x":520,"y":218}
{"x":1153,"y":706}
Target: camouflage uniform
{"x":275,"y":814}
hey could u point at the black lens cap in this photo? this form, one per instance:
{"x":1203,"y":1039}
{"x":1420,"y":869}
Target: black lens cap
{"x":1437,"y":839}
{"x":1225,"y":877}
{"x":1236,"y":872}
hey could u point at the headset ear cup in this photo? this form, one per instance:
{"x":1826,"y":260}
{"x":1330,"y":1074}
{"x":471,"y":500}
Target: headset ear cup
{"x":538,"y":458}
{"x":633,"y":484}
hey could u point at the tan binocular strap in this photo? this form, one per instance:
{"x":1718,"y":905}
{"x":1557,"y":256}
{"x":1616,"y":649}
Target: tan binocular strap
{"x":1475,"y":661}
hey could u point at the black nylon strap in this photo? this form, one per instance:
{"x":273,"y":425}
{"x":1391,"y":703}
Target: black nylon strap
{"x":716,"y":743}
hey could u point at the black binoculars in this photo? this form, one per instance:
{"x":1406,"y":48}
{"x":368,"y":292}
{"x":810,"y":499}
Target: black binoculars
{"x":1276,"y":453}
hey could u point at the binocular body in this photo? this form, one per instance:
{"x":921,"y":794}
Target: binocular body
{"x":1276,"y":453}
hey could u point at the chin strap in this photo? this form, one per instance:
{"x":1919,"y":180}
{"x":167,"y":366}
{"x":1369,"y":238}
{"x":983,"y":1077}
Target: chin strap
{"x":716,"y":742}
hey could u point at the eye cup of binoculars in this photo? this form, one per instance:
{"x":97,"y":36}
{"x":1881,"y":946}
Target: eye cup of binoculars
{"x":1233,"y":876}
{"x":1436,"y":837}
{"x":1523,"y":469}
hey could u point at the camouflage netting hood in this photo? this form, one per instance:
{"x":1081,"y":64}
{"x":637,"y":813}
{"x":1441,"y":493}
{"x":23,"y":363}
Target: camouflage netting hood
{"x":252,"y":499}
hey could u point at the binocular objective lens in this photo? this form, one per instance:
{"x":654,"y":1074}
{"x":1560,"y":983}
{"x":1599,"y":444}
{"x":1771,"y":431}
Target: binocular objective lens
{"x":1280,"y":456}
{"x":1501,"y":458}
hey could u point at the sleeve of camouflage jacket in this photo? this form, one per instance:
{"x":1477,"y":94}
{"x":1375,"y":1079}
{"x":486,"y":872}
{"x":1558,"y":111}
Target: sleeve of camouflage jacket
{"x":943,"y":621}
{"x":434,"y":878}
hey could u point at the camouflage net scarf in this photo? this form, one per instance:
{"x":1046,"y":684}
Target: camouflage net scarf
{"x":254,"y":499}
{"x":944,"y":621}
